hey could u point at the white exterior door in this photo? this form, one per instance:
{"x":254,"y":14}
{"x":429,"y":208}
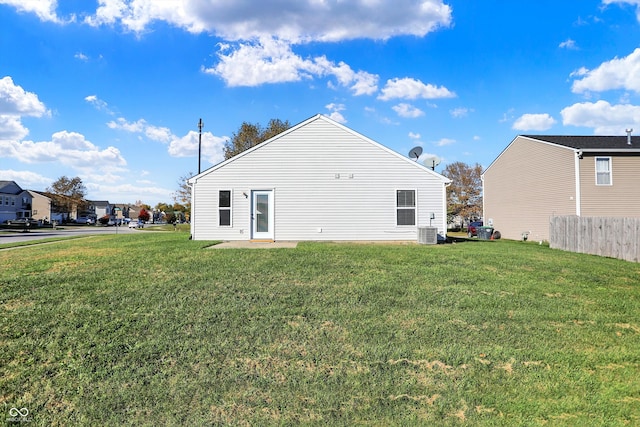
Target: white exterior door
{"x":262,"y":214}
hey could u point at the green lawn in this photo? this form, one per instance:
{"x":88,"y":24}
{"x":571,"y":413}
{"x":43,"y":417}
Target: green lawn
{"x":153,"y":329}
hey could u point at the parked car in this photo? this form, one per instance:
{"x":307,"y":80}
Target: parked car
{"x":472,"y":229}
{"x":136,"y":224}
{"x":22,"y":222}
{"x":85,"y":220}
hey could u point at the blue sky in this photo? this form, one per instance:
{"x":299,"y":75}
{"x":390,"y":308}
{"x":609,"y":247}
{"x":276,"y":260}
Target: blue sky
{"x":112,"y":90}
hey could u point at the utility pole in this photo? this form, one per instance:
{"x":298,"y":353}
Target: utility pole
{"x":200,"y":124}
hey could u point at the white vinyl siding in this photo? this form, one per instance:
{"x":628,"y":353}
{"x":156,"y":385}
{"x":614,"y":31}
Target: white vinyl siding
{"x":603,"y":171}
{"x":329,"y":183}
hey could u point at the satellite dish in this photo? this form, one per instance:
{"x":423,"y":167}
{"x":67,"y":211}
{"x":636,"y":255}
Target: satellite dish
{"x":415,"y":153}
{"x":432,"y":162}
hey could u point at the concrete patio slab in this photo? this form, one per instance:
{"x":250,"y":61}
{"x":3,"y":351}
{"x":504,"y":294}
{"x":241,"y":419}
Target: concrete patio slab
{"x":244,"y":244}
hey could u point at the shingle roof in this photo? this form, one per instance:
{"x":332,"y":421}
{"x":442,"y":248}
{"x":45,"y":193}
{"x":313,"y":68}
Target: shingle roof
{"x":10,"y":187}
{"x":590,"y":142}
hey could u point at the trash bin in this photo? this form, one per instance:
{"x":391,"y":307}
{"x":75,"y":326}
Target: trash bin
{"x":484,"y":233}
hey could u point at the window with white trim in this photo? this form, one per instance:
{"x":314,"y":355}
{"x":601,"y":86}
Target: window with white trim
{"x":405,"y":207}
{"x":603,"y":171}
{"x":224,"y":208}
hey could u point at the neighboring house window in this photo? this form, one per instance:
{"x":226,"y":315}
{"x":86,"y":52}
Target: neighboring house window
{"x":224,"y":207}
{"x":406,"y":207}
{"x":603,"y":170}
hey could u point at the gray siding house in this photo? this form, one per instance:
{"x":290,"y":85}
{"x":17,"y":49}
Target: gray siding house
{"x":14,"y":201}
{"x":539,"y":176}
{"x":319,"y":180}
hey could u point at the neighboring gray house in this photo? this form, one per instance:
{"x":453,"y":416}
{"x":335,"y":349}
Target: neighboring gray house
{"x":318,"y":180}
{"x":539,"y":176}
{"x":14,"y":201}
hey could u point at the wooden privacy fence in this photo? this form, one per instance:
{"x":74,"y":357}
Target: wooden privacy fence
{"x":604,"y":236}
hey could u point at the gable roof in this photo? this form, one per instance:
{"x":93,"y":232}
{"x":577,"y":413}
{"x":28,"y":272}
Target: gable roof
{"x":10,"y":187}
{"x":193,"y":179}
{"x":603,"y":143}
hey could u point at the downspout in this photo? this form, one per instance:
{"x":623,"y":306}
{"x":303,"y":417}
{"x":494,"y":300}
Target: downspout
{"x":577,"y":159}
{"x":444,"y":208}
{"x":191,"y":221}
{"x":483,"y":215}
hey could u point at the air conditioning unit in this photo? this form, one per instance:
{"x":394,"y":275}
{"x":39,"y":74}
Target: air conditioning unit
{"x":427,"y":235}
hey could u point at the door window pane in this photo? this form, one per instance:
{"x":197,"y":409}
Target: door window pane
{"x":262,"y":213}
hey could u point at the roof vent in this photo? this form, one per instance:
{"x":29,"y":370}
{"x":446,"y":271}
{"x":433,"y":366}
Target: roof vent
{"x":629,"y":135}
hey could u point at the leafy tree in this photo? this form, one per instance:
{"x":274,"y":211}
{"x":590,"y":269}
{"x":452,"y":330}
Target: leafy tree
{"x":249,"y":135}
{"x":144,"y":215}
{"x":67,"y":193}
{"x":464,"y":195}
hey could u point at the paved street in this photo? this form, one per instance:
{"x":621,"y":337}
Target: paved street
{"x":44,"y":233}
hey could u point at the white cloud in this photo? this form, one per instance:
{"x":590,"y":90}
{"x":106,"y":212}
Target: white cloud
{"x":15,"y":103}
{"x":14,"y":100}
{"x":460,"y":112}
{"x":539,"y":122}
{"x":122,"y":124}
{"x":45,"y":10}
{"x":338,"y":117}
{"x":408,"y":88}
{"x":618,"y":73}
{"x":635,"y":3}
{"x":26,"y":179}
{"x":335,"y":113}
{"x":407,"y":111}
{"x":66,"y":148}
{"x":445,"y":141}
{"x":568,"y":44}
{"x":98,"y":104}
{"x":11,"y":128}
{"x":289,"y":20}
{"x":413,"y":135}
{"x":81,"y":56}
{"x":187,"y":146}
{"x":273,"y":61}
{"x":604,"y":118}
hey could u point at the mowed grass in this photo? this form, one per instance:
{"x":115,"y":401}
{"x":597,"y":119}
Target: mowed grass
{"x":154,"y":329}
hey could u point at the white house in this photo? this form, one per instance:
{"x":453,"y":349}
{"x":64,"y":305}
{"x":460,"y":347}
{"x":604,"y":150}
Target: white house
{"x":318,"y":180}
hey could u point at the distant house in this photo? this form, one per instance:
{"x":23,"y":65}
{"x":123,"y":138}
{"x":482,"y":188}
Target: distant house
{"x":539,"y":176}
{"x":101,"y":208}
{"x":318,"y":180}
{"x":40,"y":206}
{"x":14,"y":201}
